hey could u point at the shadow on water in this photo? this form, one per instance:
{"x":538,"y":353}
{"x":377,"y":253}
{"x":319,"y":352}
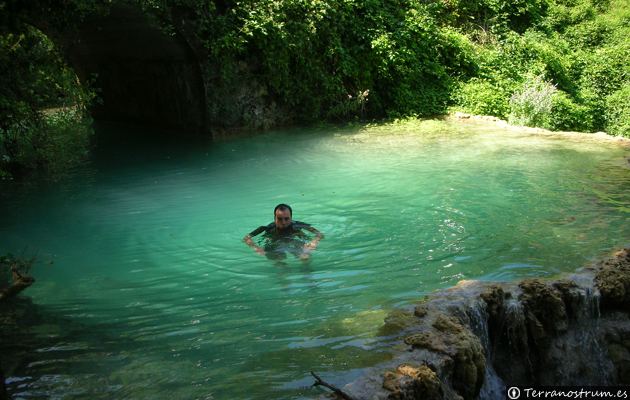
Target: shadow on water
{"x":35,"y":340}
{"x":132,"y":145}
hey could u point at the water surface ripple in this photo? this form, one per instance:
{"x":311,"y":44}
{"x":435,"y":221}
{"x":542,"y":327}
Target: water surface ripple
{"x":152,"y":294}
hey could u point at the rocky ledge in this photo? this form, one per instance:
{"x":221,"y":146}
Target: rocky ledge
{"x":500,"y":123}
{"x":473,"y":340}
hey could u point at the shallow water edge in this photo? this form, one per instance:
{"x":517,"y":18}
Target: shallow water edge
{"x":498,"y":122}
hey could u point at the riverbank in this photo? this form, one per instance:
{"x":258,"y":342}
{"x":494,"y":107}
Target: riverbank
{"x":498,"y":122}
{"x":473,"y":340}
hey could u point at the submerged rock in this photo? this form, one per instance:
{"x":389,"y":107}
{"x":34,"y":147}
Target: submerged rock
{"x":473,"y":340}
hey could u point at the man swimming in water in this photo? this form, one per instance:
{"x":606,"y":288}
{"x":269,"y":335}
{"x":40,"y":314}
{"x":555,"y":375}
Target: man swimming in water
{"x":283,"y":235}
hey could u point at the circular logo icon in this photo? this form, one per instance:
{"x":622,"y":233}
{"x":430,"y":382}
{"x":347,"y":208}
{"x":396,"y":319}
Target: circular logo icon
{"x":514,"y":393}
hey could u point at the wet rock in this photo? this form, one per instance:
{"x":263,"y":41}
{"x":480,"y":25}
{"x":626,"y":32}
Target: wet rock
{"x":398,"y":320}
{"x":420,"y":311}
{"x":469,"y":363}
{"x":494,"y":297}
{"x":616,"y":337}
{"x":449,"y":325}
{"x":427,"y":340}
{"x":613,"y":281}
{"x":546,"y":312}
{"x":507,"y":333}
{"x":461,"y":355}
{"x":477,"y":336}
{"x":409,"y":382}
{"x":571,"y":297}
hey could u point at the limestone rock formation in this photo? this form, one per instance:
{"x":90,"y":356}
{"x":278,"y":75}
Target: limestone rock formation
{"x":409,"y":382}
{"x":613,"y":281}
{"x":472,"y":340}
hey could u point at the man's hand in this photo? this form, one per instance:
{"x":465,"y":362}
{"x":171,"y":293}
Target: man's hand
{"x":312,"y":245}
{"x":248,"y":240}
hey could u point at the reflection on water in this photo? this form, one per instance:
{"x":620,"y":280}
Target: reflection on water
{"x":152,"y":293}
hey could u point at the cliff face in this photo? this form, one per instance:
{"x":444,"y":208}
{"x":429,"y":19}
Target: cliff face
{"x":472,"y":340}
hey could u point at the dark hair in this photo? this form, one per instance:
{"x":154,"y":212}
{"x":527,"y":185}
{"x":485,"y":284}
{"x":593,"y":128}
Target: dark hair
{"x":282,"y":207}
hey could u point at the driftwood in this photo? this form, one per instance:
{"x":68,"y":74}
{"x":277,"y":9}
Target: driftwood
{"x":336,"y":390}
{"x":20,"y":282}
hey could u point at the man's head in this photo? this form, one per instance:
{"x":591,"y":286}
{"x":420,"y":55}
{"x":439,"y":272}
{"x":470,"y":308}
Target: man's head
{"x":282,"y":215}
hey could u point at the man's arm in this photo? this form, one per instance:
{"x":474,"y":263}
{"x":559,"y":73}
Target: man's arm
{"x":312,"y":245}
{"x":248,"y":240}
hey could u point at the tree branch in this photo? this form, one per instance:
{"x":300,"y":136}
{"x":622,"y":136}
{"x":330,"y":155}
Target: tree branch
{"x":336,"y":390}
{"x":20,"y":282}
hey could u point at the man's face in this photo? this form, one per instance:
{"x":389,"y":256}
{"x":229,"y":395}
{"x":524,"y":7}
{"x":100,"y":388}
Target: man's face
{"x":282,"y":219}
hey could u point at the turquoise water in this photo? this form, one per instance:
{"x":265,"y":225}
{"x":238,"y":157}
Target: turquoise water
{"x":151,"y":293}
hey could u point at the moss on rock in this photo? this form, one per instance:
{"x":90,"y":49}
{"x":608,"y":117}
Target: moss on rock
{"x":613,"y":281}
{"x":409,"y":382}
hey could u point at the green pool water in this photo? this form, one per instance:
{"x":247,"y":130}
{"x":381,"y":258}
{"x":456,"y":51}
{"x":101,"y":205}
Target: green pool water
{"x":151,"y":293}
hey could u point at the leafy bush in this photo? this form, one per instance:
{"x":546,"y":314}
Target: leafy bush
{"x":532,"y":104}
{"x":617,"y":115}
{"x":481,"y":97}
{"x":567,"y":115}
{"x":34,"y":78}
{"x":51,"y":142}
{"x":604,"y":73}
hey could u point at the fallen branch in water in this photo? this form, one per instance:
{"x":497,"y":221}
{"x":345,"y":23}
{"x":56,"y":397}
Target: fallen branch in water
{"x":336,"y":390}
{"x":20,"y":281}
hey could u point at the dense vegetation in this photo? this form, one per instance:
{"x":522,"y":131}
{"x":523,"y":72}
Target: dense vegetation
{"x":44,"y":120}
{"x":557,"y":64}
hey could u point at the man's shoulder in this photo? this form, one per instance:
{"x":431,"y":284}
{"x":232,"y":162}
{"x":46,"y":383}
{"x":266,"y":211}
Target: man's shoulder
{"x":300,"y":225}
{"x":263,"y":228}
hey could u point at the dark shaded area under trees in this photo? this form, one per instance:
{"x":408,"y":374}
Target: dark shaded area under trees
{"x":13,"y":280}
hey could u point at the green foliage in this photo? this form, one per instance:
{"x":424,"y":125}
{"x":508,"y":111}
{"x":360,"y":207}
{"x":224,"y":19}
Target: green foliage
{"x":316,"y":59}
{"x":580,"y":47}
{"x":33,"y":79}
{"x":531,"y":105}
{"x":567,"y":115}
{"x":605,"y":71}
{"x":410,"y":75}
{"x":482,"y":97}
{"x":560,"y":64}
{"x":617,"y":115}
{"x":312,"y":60}
{"x":472,"y":14}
